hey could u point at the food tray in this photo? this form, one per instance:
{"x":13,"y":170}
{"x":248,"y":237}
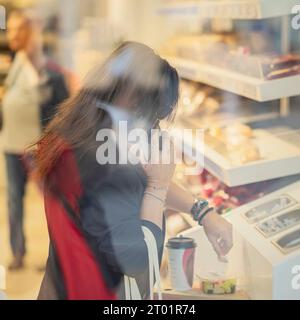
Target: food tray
{"x":269,"y":208}
{"x":279,"y":223}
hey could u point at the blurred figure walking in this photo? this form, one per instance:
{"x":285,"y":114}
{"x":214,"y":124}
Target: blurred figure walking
{"x":32,"y":91}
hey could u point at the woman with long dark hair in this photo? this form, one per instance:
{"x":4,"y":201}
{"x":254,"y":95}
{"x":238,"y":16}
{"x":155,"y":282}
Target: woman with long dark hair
{"x":95,"y":212}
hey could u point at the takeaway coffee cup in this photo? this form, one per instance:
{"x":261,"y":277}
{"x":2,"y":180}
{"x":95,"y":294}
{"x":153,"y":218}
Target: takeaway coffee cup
{"x":181,"y":253}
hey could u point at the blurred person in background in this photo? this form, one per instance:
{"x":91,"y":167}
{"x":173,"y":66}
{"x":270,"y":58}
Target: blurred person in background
{"x":95,"y":212}
{"x":32,"y":92}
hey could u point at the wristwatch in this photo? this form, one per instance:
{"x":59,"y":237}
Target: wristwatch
{"x":200,"y":209}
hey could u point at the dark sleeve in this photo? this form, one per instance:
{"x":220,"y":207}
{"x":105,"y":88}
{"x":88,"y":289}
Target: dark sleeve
{"x":60,"y":89}
{"x":112,"y":220}
{"x":59,"y":93}
{"x":52,"y":286}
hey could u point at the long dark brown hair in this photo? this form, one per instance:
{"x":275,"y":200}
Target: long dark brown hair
{"x":133,"y":77}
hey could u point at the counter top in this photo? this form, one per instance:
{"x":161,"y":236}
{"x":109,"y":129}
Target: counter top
{"x":198,"y":295}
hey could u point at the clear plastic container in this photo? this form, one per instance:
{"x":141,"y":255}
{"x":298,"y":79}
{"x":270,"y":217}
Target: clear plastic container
{"x":219,"y":281}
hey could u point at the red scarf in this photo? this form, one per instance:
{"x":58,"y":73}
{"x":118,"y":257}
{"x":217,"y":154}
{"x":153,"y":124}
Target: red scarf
{"x":81,"y":271}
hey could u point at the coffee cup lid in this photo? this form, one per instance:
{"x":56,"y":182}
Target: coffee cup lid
{"x":181,"y":243}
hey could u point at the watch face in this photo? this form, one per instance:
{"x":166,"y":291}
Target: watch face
{"x":198,"y":209}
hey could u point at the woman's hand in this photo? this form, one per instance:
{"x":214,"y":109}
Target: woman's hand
{"x":160,"y":175}
{"x":219,"y":233}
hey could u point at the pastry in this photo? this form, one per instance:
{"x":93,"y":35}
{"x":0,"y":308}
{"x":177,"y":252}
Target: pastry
{"x":238,"y":129}
{"x":249,"y":152}
{"x":277,"y":74}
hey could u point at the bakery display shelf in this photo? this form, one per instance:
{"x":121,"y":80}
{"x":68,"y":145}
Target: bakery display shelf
{"x":234,"y":9}
{"x":249,"y":87}
{"x":227,"y":118}
{"x":285,"y":128}
{"x":279,"y":158}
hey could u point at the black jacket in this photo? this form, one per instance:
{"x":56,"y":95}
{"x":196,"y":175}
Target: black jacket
{"x":110,"y":217}
{"x":57,"y":91}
